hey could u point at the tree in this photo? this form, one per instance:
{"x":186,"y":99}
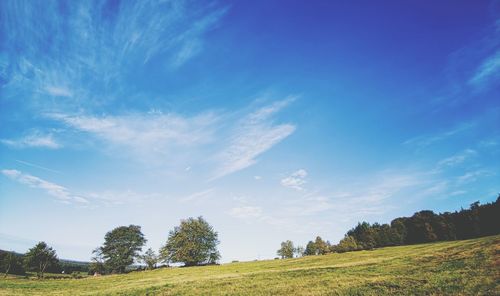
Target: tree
{"x":193,"y":242}
{"x":364,"y":235}
{"x":121,"y":247}
{"x":286,"y":250}
{"x":97,"y":262}
{"x":322,"y":247}
{"x":11,"y":262}
{"x":150,"y":258}
{"x":299,"y":251}
{"x":40,"y":257}
{"x":310,"y":249}
{"x":420,"y":228}
{"x":347,"y":244}
{"x":398,"y":231}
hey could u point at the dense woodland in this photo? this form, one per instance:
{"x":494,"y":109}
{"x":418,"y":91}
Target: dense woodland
{"x":423,"y":227}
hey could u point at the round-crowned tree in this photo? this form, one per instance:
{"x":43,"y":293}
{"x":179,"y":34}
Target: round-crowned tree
{"x":121,"y":247}
{"x":193,"y":242}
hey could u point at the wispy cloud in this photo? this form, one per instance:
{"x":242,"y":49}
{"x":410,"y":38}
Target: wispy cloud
{"x":37,"y":166}
{"x":424,"y":141}
{"x":52,"y":189}
{"x":295,"y":180}
{"x":472,"y":176}
{"x":198,"y":196}
{"x":245,"y":212}
{"x":116,"y":198}
{"x":145,"y":135}
{"x":94,"y":47}
{"x":457,"y":158}
{"x":34,"y":139}
{"x":68,"y":196}
{"x":58,"y":91}
{"x":487,"y":73}
{"x":253,"y":135}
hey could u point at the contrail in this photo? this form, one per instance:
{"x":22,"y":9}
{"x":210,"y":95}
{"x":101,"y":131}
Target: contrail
{"x":37,"y":166}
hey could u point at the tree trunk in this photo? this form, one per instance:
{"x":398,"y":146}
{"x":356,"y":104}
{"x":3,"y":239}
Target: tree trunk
{"x":7,"y":270}
{"x":44,"y":266}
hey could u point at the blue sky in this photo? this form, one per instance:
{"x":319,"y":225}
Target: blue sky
{"x":274,"y":120}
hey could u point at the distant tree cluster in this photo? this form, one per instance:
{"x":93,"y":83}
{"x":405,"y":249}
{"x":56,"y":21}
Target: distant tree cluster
{"x":288,"y":250}
{"x":193,"y":242}
{"x":423,"y":227}
{"x":11,"y":263}
{"x":40,"y":259}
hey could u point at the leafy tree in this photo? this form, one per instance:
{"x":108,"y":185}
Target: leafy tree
{"x":299,"y":251}
{"x":490,"y":218}
{"x":364,"y":235}
{"x":39,"y":258}
{"x":398,"y":231}
{"x":310,"y":249}
{"x":193,"y":242}
{"x":347,"y":244}
{"x":322,"y":247}
{"x":121,"y":247}
{"x":11,"y":262}
{"x":420,"y":228}
{"x":150,"y":258}
{"x":97,"y":262}
{"x":286,"y":250}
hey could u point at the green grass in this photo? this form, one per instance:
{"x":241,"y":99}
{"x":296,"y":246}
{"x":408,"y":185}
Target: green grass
{"x":468,"y":267}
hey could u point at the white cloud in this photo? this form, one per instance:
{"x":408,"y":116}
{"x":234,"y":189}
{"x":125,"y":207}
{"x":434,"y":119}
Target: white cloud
{"x":116,"y":198}
{"x":487,"y":73}
{"x":55,"y":190}
{"x":90,"y":65}
{"x":65,"y":195}
{"x":198,"y":196}
{"x":427,"y":140}
{"x":37,"y":166}
{"x":253,"y":135}
{"x":244,"y":212}
{"x":295,"y":180}
{"x":58,"y":91}
{"x":146,"y":135}
{"x":308,"y":205}
{"x":457,"y":158}
{"x":471,"y":176}
{"x":34,"y":139}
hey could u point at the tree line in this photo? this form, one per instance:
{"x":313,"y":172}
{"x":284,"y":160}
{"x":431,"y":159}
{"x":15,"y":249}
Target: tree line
{"x":423,"y":227}
{"x":193,"y":242}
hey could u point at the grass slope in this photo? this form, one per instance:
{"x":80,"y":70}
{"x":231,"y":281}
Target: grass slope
{"x":456,"y":268}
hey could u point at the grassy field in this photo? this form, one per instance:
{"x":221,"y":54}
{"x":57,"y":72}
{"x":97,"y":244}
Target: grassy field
{"x":468,"y":267}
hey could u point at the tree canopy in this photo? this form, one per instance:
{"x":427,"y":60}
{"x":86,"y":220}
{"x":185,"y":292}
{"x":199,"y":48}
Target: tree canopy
{"x":287,"y":249}
{"x":39,"y":258}
{"x":121,"y":247}
{"x":149,"y":258}
{"x":193,"y":242}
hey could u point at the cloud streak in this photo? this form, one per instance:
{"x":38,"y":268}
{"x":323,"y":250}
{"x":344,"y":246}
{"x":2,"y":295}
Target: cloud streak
{"x":145,"y":135}
{"x":52,"y":189}
{"x":33,"y":140}
{"x":295,"y":180}
{"x":253,"y":135}
{"x":487,"y":73}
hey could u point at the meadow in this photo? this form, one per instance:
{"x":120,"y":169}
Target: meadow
{"x":467,"y":267}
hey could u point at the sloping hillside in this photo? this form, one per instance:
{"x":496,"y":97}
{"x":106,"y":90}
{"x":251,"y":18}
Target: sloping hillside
{"x":454,"y":268}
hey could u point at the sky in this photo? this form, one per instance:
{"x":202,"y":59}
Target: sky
{"x":273,"y":120}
